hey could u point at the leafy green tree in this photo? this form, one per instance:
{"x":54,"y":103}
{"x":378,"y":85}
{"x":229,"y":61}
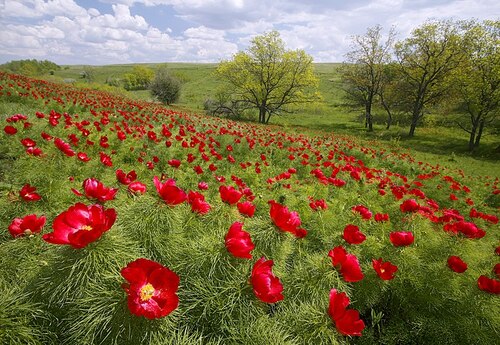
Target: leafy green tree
{"x":478,"y":79}
{"x":269,"y":77}
{"x":426,"y":59}
{"x":389,"y":92}
{"x":362,"y":74}
{"x":165,"y":87}
{"x":138,"y":79}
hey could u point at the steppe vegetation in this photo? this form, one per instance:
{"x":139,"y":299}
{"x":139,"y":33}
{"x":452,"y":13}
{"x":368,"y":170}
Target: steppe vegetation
{"x":126,"y":221}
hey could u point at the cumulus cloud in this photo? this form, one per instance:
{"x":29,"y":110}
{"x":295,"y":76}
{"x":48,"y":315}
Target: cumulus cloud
{"x":88,"y":32}
{"x":40,"y":8}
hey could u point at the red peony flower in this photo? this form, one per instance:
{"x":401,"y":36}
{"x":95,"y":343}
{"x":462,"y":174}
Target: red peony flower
{"x":338,"y":304}
{"x":346,"y":321}
{"x":456,"y":264}
{"x":125,"y":178}
{"x":202,"y":185}
{"x":363,"y":211}
{"x":410,"y":205}
{"x":28,"y":193}
{"x":169,"y":192}
{"x":489,"y":285}
{"x":469,"y":229}
{"x":83,"y":156}
{"x":10,"y":130}
{"x":94,"y":189}
{"x":238,"y":242}
{"x":105,"y":159}
{"x":246,"y":208}
{"x":266,"y":286}
{"x":137,"y":187}
{"x":174,"y":163}
{"x":64,"y":147}
{"x":401,"y":238}
{"x":34,"y":151}
{"x":352,"y":235}
{"x":347,"y":264}
{"x":496,"y":270}
{"x":385,"y":270}
{"x":285,"y":220}
{"x":198,"y":203}
{"x":317,"y":205}
{"x":80,"y":225}
{"x":28,"y":142}
{"x":229,"y":194}
{"x":381,"y":217}
{"x":27,"y":225}
{"x":151,"y":288}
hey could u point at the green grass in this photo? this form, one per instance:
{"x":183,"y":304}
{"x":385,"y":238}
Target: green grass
{"x":199,"y":82}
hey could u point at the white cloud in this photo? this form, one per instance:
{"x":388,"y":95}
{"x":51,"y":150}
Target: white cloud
{"x":205,"y":30}
{"x":39,"y":8}
{"x":93,"y":12}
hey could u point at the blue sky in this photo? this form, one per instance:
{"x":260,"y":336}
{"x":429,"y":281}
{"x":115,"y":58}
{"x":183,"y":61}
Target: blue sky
{"x":97,"y":32}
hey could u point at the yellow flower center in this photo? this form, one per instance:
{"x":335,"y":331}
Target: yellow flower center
{"x":86,"y":228}
{"x":382,"y":270}
{"x":28,"y":232}
{"x":147,"y":291}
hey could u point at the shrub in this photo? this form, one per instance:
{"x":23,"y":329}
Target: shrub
{"x":165,"y":87}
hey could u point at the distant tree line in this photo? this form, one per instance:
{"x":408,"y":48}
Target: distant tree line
{"x":447,"y":64}
{"x":442,"y":65}
{"x":30,"y":67}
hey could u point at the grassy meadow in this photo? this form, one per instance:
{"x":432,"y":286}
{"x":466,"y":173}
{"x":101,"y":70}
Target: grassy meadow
{"x":441,"y":144}
{"x":374,"y":238}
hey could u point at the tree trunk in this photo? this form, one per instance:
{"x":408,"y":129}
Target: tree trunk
{"x":262,"y":115}
{"x":413,"y":125}
{"x":388,"y":110}
{"x":268,"y":117}
{"x":368,"y":114}
{"x":414,"y":119}
{"x":479,"y":134}
{"x":472,"y":137}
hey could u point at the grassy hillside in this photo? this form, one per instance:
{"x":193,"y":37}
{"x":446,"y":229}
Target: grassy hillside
{"x":126,"y":222}
{"x":433,"y":142}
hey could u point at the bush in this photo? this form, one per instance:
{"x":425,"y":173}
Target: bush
{"x":165,"y":87}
